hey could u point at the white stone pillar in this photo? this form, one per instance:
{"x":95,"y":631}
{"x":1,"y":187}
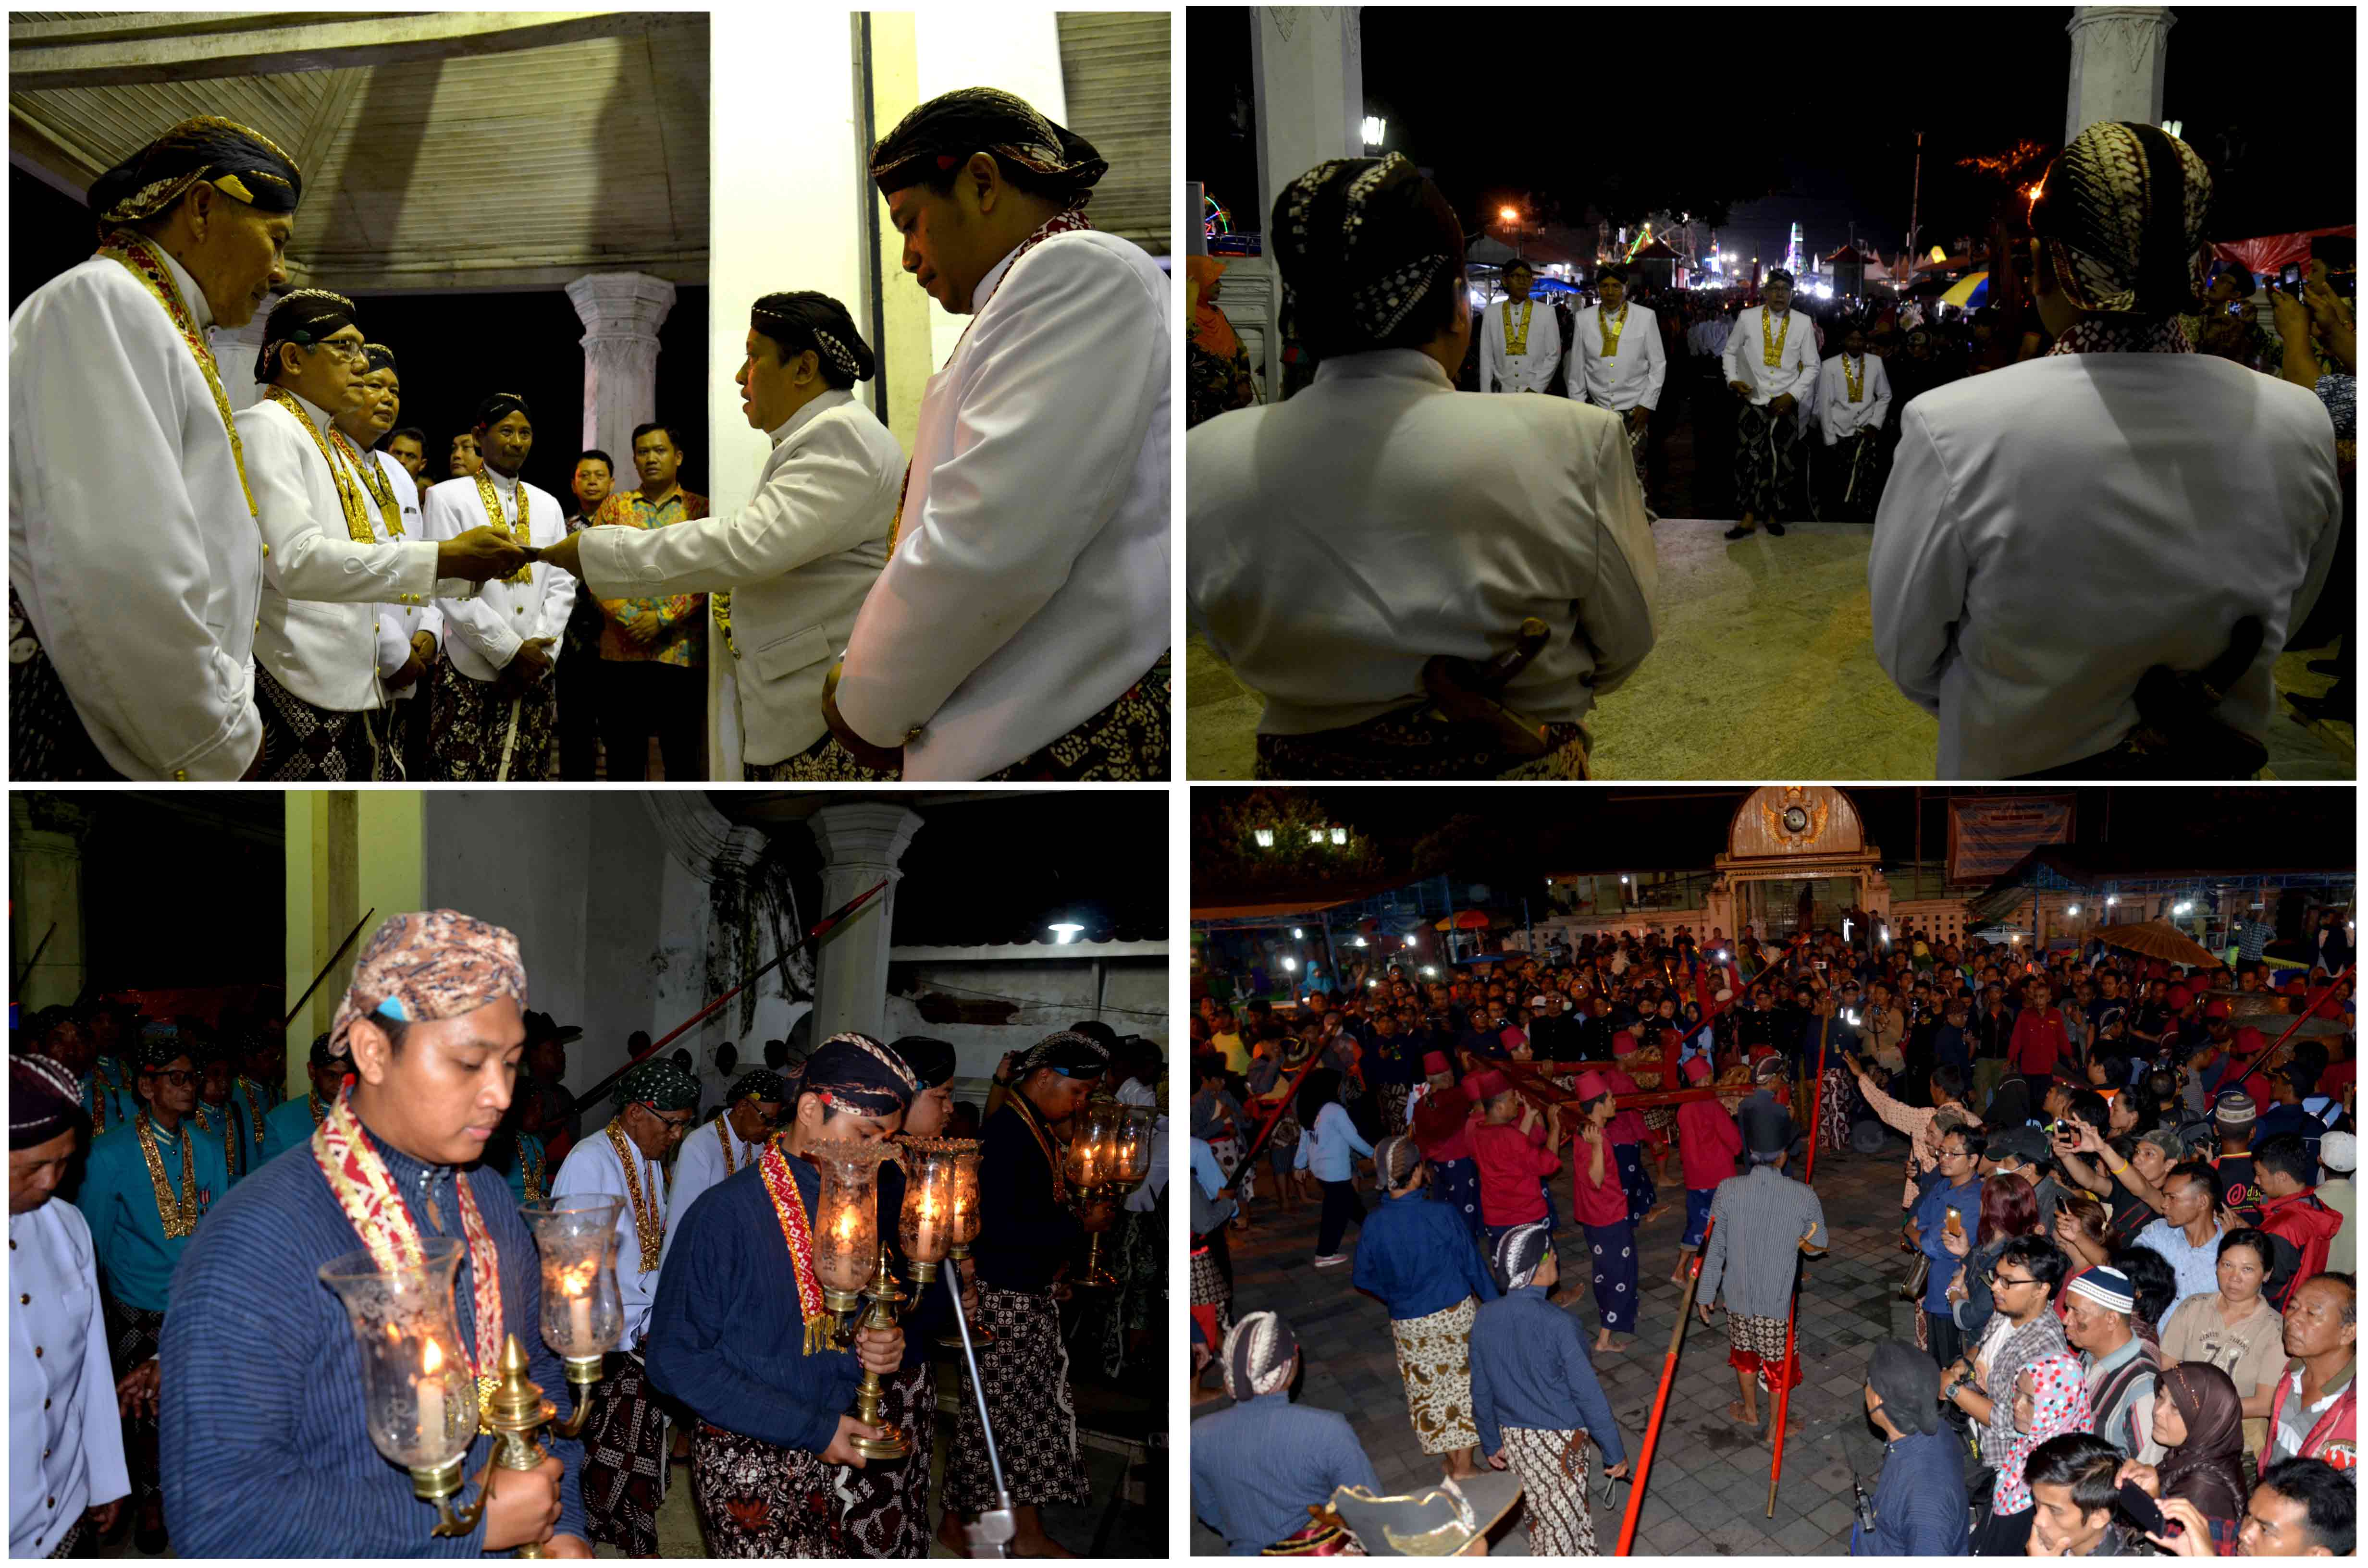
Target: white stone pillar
{"x":2117,"y":60}
{"x":860,"y":843}
{"x":234,"y":352}
{"x":1309,"y":66}
{"x":621,"y":313}
{"x":45,"y":888}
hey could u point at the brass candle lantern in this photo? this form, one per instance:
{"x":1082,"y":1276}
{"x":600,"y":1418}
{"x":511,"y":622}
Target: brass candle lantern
{"x":966,"y":1217}
{"x":583,"y":1307}
{"x":851,"y":1263}
{"x":1090,"y":1168}
{"x":926,"y":1229}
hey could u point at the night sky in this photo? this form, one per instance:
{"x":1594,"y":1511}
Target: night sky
{"x":1516,"y":105}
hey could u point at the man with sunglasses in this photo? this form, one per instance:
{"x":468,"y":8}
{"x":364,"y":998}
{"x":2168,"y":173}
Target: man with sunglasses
{"x":316,"y":668}
{"x":624,"y":1438}
{"x":144,"y":1189}
{"x":728,"y":1143}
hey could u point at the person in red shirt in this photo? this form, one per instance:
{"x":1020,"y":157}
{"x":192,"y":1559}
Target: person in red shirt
{"x":1708,"y":1142}
{"x":2039,"y":1040}
{"x":1441,"y":1123}
{"x":1600,"y":1207}
{"x":1627,"y":1134}
{"x":1514,"y":1153}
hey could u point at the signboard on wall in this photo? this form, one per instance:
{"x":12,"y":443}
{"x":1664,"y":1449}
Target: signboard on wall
{"x":1987,"y":836}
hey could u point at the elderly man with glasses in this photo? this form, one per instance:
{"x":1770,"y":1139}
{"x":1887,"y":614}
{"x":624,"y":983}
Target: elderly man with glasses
{"x":732,"y":1141}
{"x":624,"y":1438}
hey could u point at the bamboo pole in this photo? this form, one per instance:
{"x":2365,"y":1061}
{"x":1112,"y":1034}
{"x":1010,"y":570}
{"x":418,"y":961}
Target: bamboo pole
{"x":1660,"y":1403}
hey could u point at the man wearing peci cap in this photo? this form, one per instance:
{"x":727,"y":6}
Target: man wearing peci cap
{"x":1019,"y":628}
{"x":1708,"y":1142}
{"x":2119,"y":1367}
{"x":1026,"y":1233}
{"x":624,"y":1438}
{"x":2233,"y":1117}
{"x":264,"y":1451}
{"x":66,"y":1475}
{"x":496,"y":704}
{"x":742,"y":1335}
{"x":410,"y":629}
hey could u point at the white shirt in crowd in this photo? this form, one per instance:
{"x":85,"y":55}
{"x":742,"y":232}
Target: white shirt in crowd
{"x":66,"y":1440}
{"x":1337,"y":541}
{"x":1708,"y":336}
{"x":1837,"y":416}
{"x":2053,"y":529}
{"x":698,"y":1164}
{"x":593,"y":1170}
{"x":798,"y":560}
{"x":482,"y":632}
{"x":1745,"y":357}
{"x":129,"y":537}
{"x":1531,"y":370}
{"x":1029,"y":588}
{"x":399,"y":622}
{"x":1629,"y":379}
{"x":319,"y":632}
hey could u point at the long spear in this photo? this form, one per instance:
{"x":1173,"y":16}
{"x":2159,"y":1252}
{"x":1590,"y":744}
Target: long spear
{"x":1660,"y":1402}
{"x":325,"y":968}
{"x":820,"y":930}
{"x":39,"y":948}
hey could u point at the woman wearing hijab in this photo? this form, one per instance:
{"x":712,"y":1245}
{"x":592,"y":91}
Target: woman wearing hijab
{"x":1418,"y":1260}
{"x":2050,"y":1398}
{"x":1330,"y":1151}
{"x":1217,"y":377}
{"x":2119,"y":509}
{"x":2199,"y":1421}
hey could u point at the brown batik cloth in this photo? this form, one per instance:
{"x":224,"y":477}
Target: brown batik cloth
{"x":47,"y":739}
{"x":1410,"y":744}
{"x":1394,"y":1097}
{"x":760,"y":1501}
{"x":885,"y":1506}
{"x":302,"y":744}
{"x":1434,"y":1359}
{"x":624,"y":1471}
{"x":1560,"y":1522}
{"x":134,"y":1336}
{"x":1127,"y":739}
{"x":469,"y":725}
{"x":1026,"y":1372}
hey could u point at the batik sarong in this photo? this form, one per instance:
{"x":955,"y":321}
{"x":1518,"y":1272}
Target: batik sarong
{"x":1767,"y":460}
{"x":624,"y":1471}
{"x":480,"y":737}
{"x":1554,"y":1490}
{"x":302,"y":744}
{"x":1126,"y":738}
{"x":1026,"y":1374}
{"x":756,"y":1500}
{"x":1756,"y":1344}
{"x":133,"y":1335}
{"x":1410,"y":744}
{"x":47,"y":739}
{"x":1434,"y":1359}
{"x":885,"y":1506}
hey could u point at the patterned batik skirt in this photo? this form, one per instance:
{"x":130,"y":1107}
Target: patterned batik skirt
{"x":1556,"y":1498}
{"x":1767,"y":460}
{"x":1835,"y":1104}
{"x":1434,"y":1359}
{"x":80,"y":1541}
{"x":760,"y":1501}
{"x":1393,"y":1107}
{"x":47,"y":739}
{"x":302,"y":744}
{"x":826,"y":761}
{"x":1025,"y":1373}
{"x":1126,"y":738}
{"x":624,"y":1472}
{"x":1755,"y":1345}
{"x":1860,"y":463}
{"x":1410,"y":744}
{"x":134,"y":1336}
{"x":480,"y":738}
{"x":885,"y":1506}
{"x":1456,"y":1183}
{"x":1212,"y":1299}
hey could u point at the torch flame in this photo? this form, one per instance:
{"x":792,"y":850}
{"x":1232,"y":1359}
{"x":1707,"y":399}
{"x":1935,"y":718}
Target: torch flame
{"x":2032,"y":194}
{"x":431,"y":1361}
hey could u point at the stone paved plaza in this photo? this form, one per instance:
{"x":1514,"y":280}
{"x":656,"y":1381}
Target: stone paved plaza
{"x":1708,"y":1491}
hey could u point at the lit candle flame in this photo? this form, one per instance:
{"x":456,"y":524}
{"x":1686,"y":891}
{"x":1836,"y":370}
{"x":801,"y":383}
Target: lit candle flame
{"x":431,"y":1361}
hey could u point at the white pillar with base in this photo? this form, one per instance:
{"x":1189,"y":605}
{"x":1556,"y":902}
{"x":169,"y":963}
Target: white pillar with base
{"x":45,"y":897}
{"x":2117,"y":61}
{"x":1309,"y":66}
{"x":860,"y":843}
{"x":621,"y":313}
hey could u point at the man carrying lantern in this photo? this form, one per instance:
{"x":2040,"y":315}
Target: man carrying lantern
{"x":624,"y":1441}
{"x":772,"y":1460}
{"x":265,"y":1449}
{"x":1027,"y":1233}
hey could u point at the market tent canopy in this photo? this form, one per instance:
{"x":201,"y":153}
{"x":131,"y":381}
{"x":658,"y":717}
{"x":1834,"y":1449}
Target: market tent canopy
{"x":1968,"y":292}
{"x":2270,"y":252}
{"x":2158,"y":940}
{"x":1464,"y":920}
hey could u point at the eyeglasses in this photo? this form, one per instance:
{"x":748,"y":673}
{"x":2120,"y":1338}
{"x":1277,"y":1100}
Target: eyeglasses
{"x":679,"y":1121}
{"x":352,"y":353}
{"x":180,"y":1078}
{"x":1998,"y":1281}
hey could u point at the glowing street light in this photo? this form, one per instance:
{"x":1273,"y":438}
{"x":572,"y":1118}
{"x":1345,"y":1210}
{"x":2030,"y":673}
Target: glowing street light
{"x":1297,"y":935}
{"x":1064,"y":931}
{"x":1264,"y":837}
{"x":1290,"y":966}
{"x":2074,"y":911}
{"x":1507,"y":215}
{"x":1410,"y":942}
{"x":1371,"y":128}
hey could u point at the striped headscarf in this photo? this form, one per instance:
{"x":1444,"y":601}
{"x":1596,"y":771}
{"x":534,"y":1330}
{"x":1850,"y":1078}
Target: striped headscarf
{"x":2059,"y":1405}
{"x":1260,"y":1351}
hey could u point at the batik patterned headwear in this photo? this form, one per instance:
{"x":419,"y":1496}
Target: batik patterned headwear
{"x":1520,"y":1253}
{"x":430,"y":964}
{"x":44,"y":1100}
{"x":1070,"y":1054}
{"x":498,"y":407}
{"x":2059,"y":1403}
{"x":762,"y":1083}
{"x":1395,"y":1159}
{"x":306,"y":317}
{"x":940,"y":135}
{"x":932,"y":1061}
{"x":381,"y":357}
{"x":1258,"y":1353}
{"x":240,"y":163}
{"x":2120,"y":217}
{"x":855,"y":1072}
{"x":1360,"y":242}
{"x":807,"y":319}
{"x":160,"y":1042}
{"x":660,"y":1082}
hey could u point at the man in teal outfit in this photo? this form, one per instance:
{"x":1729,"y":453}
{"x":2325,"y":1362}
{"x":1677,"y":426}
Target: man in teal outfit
{"x":230,"y":1107}
{"x":291,"y":1125}
{"x":144,"y":1189}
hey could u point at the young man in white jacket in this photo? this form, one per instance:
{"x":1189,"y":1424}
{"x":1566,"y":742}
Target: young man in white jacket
{"x":1853,"y":401}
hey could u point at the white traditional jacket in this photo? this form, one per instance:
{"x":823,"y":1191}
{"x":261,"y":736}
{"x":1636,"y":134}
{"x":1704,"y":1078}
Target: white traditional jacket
{"x":1746,"y":355}
{"x":1629,"y":379}
{"x":1840,"y":417}
{"x":483,"y":633}
{"x":1533,"y":368}
{"x":397,"y":622}
{"x":1027,"y":588}
{"x":798,"y":560}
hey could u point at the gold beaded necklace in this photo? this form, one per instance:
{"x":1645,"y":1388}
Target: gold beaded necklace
{"x":518,"y":529}
{"x":649,"y":1225}
{"x":141,"y":258}
{"x":179,"y":1214}
{"x":1854,"y":380}
{"x":1772,"y":354}
{"x":1612,"y":328}
{"x":358,"y":527}
{"x":1516,"y":339}
{"x":374,"y":480}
